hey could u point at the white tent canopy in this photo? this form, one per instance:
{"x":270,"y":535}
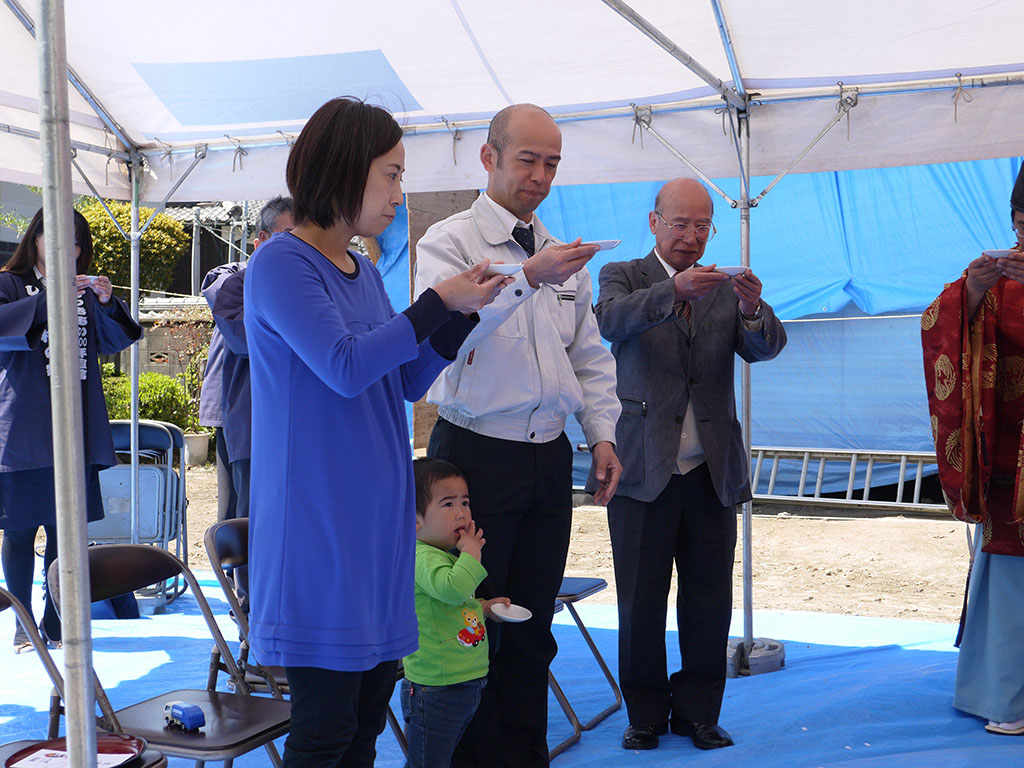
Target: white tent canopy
{"x":234,"y":74}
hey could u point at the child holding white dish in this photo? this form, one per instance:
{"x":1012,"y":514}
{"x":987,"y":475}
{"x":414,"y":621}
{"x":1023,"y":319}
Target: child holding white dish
{"x":445,"y":676}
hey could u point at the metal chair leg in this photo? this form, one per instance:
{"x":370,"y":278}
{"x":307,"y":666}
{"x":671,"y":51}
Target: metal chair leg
{"x":604,"y":668}
{"x":570,"y":715}
{"x":398,"y":731}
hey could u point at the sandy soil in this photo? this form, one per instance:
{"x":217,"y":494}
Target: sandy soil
{"x":891,"y":567}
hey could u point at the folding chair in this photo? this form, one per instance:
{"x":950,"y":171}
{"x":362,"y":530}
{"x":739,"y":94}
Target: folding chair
{"x":150,"y":758}
{"x":162,"y":496}
{"x":227,"y":546}
{"x":572,"y":590}
{"x":236,"y":722}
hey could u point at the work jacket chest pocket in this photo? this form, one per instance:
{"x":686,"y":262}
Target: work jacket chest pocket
{"x":564,"y":311}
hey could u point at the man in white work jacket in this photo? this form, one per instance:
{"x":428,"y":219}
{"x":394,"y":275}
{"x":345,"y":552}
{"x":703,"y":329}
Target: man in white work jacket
{"x":534,"y":359}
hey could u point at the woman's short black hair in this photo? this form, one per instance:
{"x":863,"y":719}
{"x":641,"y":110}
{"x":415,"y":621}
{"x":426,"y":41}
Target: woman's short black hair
{"x":329,"y":162}
{"x":428,"y":472}
{"x":26,"y":255}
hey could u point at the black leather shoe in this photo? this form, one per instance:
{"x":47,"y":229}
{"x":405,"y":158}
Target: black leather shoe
{"x":702,"y":735}
{"x":642,"y":736}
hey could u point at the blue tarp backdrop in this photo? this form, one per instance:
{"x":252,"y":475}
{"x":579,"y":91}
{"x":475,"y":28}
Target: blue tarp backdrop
{"x":848,"y":259}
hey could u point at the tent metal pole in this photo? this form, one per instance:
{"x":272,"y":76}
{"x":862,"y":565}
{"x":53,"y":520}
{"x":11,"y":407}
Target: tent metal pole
{"x":245,"y":229}
{"x":97,"y":195}
{"x":78,"y":145}
{"x":847,"y":100}
{"x":200,"y":151}
{"x":66,"y":385}
{"x":730,"y":52}
{"x":135,"y":172}
{"x":675,"y":51}
{"x":748,"y":563}
{"x":195,"y":250}
{"x":642,"y":117}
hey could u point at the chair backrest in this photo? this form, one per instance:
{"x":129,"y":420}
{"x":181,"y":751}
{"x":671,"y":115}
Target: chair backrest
{"x":115,"y":569}
{"x":7,"y":600}
{"x":154,"y":436}
{"x":118,"y":568}
{"x":227,"y":546}
{"x":228,"y":543}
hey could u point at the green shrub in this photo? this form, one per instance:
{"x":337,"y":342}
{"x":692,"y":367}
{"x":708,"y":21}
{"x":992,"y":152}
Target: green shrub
{"x":161,"y":246}
{"x":161,"y":398}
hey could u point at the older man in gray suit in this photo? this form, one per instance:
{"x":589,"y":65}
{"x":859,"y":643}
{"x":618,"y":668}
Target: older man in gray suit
{"x":675,"y":328}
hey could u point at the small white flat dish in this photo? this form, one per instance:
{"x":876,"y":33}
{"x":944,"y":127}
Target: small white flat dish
{"x":503,"y":269}
{"x":731,"y":271}
{"x":603,"y":245}
{"x":994,"y":253}
{"x":512,"y":614}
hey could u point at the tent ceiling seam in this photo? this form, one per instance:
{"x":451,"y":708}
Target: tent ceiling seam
{"x":480,"y":52}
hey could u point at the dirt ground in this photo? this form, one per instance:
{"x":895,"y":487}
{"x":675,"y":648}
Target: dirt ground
{"x":891,"y":566}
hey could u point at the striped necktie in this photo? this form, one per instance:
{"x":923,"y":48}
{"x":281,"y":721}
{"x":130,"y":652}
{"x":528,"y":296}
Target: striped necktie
{"x":684,"y":309}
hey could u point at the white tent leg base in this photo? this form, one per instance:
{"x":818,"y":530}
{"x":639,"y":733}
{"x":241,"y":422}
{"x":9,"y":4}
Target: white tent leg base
{"x":765,"y":655}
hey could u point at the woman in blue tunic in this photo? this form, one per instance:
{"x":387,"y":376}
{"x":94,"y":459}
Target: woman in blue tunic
{"x":332,"y":509}
{"x":27,"y":495}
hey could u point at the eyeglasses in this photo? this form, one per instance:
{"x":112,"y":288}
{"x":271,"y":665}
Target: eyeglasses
{"x":679,"y":230}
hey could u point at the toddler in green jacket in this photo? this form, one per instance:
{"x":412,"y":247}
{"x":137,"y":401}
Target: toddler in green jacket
{"x":445,"y":676}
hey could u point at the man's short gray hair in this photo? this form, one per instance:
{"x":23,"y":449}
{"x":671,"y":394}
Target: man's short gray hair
{"x":270,"y":212}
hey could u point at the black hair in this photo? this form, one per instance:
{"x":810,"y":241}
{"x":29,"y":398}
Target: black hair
{"x":330,"y":161}
{"x":26,"y":255}
{"x":428,"y":472}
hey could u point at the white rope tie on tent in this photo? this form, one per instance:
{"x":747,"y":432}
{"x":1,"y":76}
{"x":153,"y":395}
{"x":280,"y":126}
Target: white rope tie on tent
{"x":289,"y":138}
{"x":843,"y":106}
{"x":641,"y":118}
{"x":724,"y":112}
{"x":107,"y":138}
{"x":960,"y":95}
{"x":168,"y":154}
{"x":456,"y":133}
{"x":240,"y":152}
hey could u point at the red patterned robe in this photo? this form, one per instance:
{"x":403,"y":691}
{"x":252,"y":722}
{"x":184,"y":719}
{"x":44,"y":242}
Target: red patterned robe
{"x":974,"y":371}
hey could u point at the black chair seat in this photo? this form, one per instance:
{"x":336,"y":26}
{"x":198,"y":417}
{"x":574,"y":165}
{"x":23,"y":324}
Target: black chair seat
{"x":235,"y":724}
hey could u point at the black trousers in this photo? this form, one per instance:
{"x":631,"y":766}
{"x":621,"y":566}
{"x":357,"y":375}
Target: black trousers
{"x":337,"y":716}
{"x":688,"y":524}
{"x":521,"y":495}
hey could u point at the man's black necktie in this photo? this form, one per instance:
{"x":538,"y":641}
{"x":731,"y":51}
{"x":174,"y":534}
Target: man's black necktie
{"x":524,"y":236}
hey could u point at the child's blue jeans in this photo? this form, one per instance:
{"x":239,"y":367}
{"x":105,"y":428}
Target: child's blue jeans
{"x":436,"y":716}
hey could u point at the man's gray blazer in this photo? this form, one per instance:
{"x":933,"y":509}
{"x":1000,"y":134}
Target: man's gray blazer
{"x":662,"y":364}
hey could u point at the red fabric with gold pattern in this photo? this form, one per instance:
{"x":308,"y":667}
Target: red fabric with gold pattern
{"x":974,"y":372}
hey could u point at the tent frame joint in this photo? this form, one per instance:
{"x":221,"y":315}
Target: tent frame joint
{"x":642,"y":117}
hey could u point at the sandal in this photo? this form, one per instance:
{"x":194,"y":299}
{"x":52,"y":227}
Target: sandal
{"x":1006,"y":729}
{"x":25,"y":647}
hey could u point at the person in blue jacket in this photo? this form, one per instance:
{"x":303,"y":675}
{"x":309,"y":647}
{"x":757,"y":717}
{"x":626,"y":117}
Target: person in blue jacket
{"x":332,"y":530}
{"x":27,"y":495}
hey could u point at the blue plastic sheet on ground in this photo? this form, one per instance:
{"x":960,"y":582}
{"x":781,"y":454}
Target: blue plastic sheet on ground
{"x":854,"y":692}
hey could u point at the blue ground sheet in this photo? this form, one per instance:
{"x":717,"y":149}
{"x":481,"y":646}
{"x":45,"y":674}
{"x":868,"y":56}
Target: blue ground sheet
{"x":855,"y":691}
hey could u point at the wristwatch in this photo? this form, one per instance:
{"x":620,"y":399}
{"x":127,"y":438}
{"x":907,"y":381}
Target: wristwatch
{"x":755,"y":316}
